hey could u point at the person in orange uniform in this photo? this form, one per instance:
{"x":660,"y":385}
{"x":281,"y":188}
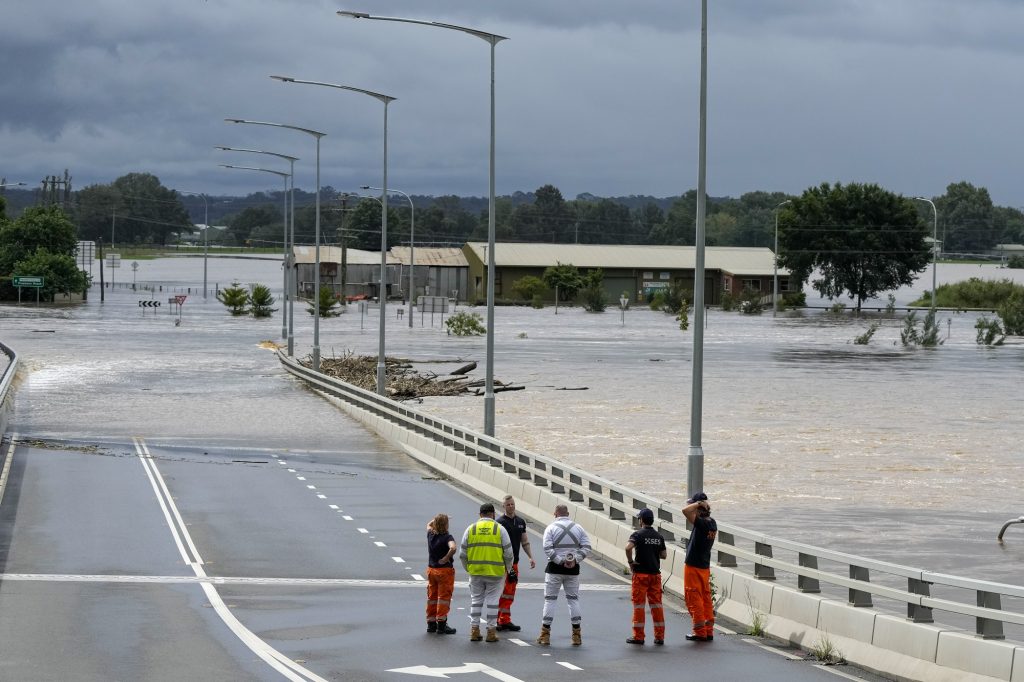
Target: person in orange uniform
{"x":440,"y":575}
{"x":649,"y":548}
{"x":516,"y":528}
{"x":697,"y":568}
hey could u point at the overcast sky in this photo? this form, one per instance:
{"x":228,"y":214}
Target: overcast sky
{"x":592,"y":96}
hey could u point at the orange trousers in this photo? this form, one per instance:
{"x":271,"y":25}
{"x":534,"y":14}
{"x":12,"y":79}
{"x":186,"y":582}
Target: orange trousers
{"x":697,"y":591}
{"x":647,"y":590}
{"x":440,"y":584}
{"x":508,"y":594}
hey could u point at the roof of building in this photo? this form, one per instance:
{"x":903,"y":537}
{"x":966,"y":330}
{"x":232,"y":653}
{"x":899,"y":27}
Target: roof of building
{"x":332,"y":254}
{"x":452,"y":257}
{"x":731,"y":259}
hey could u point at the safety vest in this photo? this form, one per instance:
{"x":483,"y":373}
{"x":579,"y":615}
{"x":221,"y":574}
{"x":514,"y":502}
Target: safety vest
{"x":484,"y":553}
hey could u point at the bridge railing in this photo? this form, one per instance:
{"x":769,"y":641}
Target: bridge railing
{"x":761,"y":556}
{"x":6,"y":380}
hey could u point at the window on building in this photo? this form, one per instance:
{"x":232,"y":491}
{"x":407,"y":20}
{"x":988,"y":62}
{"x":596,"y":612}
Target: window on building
{"x":663,"y":275}
{"x":752,"y":285}
{"x":649,"y":274}
{"x":727,"y":283}
{"x":784,"y":285}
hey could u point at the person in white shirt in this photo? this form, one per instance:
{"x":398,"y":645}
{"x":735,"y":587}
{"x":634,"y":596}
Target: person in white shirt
{"x":566,"y":544}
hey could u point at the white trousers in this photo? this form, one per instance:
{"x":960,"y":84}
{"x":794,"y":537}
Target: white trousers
{"x":484,"y":594}
{"x":571,"y":584}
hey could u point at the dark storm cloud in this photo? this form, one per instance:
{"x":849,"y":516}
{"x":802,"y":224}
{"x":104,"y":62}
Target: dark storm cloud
{"x":592,"y":96}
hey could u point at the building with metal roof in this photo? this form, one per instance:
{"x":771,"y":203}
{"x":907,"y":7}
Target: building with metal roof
{"x":638,"y":271}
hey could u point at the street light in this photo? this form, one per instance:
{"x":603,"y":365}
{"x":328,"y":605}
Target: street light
{"x":316,"y":274}
{"x":289,"y":244}
{"x":775,"y":275}
{"x":412,"y":247}
{"x":695,"y":456}
{"x":493,"y":40}
{"x":386,"y":99}
{"x":935,"y":243}
{"x":12,"y":184}
{"x":284,"y":218}
{"x":206,"y":233}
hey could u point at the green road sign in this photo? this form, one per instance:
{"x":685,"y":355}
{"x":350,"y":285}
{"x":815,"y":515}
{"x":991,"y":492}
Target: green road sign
{"x":36,"y":282}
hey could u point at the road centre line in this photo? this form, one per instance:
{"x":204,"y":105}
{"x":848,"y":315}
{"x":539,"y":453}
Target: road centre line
{"x":275,"y":659}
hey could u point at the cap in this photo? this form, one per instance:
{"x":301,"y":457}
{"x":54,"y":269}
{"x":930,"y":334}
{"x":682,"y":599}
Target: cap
{"x":697,"y":497}
{"x":645,"y":515}
{"x":487,"y":508}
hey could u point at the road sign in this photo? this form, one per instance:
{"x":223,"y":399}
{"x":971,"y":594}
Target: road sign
{"x":149,"y":304}
{"x":34,"y":282}
{"x":180,"y":299}
{"x":113,"y":260}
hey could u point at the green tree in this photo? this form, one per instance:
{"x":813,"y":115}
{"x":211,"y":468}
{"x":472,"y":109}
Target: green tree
{"x":564,"y":278}
{"x":463,"y":323}
{"x":44,"y":240}
{"x":595,"y":300}
{"x":328,"y":304}
{"x":236,"y":298}
{"x":859,"y":239}
{"x":95,"y":208}
{"x":149,"y":212}
{"x":966,"y":219}
{"x":255,"y":222}
{"x":261,"y":299}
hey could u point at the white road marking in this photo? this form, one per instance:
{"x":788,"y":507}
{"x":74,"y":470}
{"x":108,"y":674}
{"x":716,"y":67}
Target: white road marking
{"x":333,"y":506}
{"x":275,"y":659}
{"x":398,"y":559}
{"x":840,"y":673}
{"x":362,"y":530}
{"x":291,"y":471}
{"x":724,"y":630}
{"x":416,"y":576}
{"x":566,"y":664}
{"x":301,"y":478}
{"x":347,"y":518}
{"x":519,"y":642}
{"x":380,"y":544}
{"x":773,"y":650}
{"x":427,"y":671}
{"x":311,"y":487}
{"x":321,"y":496}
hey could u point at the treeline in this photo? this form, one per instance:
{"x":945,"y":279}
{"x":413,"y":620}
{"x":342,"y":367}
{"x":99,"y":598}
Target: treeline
{"x":137,"y":208}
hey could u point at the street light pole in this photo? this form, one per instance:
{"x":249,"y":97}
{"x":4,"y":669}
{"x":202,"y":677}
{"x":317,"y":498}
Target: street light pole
{"x":289,"y":297}
{"x":935,"y":243}
{"x":316,"y":275}
{"x":412,"y":243}
{"x":492,"y":39}
{"x":775,"y":274}
{"x":386,"y":99}
{"x":695,"y":457}
{"x":206,"y":233}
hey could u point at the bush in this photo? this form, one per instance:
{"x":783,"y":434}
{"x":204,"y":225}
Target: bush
{"x":794,"y":299}
{"x":728,"y":302}
{"x":927,"y":336}
{"x":529,"y":287}
{"x":865,"y":338}
{"x":465,"y":324}
{"x":990,"y":332}
{"x":1012,"y":314}
{"x":537,"y":302}
{"x":1016,"y":262}
{"x":974,"y":293}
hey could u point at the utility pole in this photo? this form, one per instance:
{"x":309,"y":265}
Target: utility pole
{"x":343,"y":238}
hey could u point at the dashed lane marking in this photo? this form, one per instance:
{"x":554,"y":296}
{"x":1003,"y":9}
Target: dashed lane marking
{"x":416,"y":576}
{"x":321,"y":496}
{"x":347,"y":517}
{"x":301,"y":478}
{"x":311,"y":487}
{"x":380,"y":544}
{"x":519,"y":642}
{"x":566,"y":664}
{"x":398,"y":559}
{"x":334,"y":506}
{"x":362,"y":530}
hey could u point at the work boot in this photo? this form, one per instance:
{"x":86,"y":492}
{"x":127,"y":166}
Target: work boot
{"x":431,"y":626}
{"x":577,"y":636}
{"x":443,"y":629}
{"x":474,"y":634}
{"x":492,"y":635}
{"x":545,"y":636}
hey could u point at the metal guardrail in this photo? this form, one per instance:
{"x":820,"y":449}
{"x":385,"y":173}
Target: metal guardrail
{"x":735,"y":544}
{"x":5,"y":384}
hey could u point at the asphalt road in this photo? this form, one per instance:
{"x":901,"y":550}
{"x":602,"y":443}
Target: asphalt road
{"x":160,"y":561}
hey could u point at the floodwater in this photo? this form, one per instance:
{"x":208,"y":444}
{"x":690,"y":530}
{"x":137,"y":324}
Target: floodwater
{"x":907,"y":455}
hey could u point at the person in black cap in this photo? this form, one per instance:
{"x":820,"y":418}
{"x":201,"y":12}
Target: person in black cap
{"x":649,"y":547}
{"x":697,"y":568}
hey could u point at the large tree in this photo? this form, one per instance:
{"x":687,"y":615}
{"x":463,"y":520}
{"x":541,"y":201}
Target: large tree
{"x":134,"y":209}
{"x":41,"y":243}
{"x":966,"y":219}
{"x":858,"y":240}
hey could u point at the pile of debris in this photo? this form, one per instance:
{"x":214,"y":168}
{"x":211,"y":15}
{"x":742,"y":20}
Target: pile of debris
{"x":401,"y":381}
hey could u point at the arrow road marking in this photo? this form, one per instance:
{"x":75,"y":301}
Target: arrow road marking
{"x":427,"y":671}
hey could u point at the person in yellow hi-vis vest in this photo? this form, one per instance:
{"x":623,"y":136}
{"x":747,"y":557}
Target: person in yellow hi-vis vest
{"x":486,"y":554}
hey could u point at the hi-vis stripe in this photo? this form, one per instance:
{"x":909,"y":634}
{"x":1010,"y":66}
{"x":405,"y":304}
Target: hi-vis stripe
{"x":275,"y":659}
